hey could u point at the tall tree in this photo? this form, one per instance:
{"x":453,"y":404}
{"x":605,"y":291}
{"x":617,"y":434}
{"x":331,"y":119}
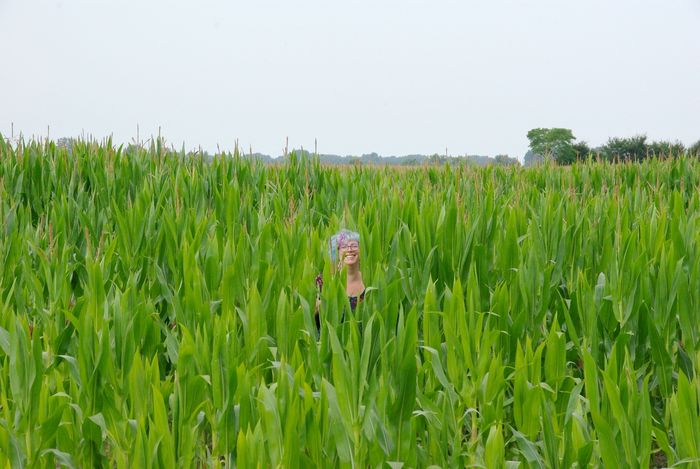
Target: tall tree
{"x":666,"y":149}
{"x":556,"y":143}
{"x":582,"y":150}
{"x":694,"y":149}
{"x":630,"y":148}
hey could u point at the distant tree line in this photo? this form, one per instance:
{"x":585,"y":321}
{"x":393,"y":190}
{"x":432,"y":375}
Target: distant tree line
{"x":555,"y":144}
{"x":560,"y":145}
{"x":406,"y":160}
{"x":158,"y":144}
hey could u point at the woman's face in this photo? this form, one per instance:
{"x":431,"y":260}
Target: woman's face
{"x":350,"y":252}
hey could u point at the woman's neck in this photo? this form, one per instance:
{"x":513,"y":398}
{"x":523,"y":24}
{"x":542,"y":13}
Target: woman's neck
{"x":354,"y":274}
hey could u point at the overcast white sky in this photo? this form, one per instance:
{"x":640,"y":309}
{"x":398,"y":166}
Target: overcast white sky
{"x":395,"y":77}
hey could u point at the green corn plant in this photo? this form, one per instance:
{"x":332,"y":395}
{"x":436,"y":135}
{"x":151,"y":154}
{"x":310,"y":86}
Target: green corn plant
{"x":157,"y":310}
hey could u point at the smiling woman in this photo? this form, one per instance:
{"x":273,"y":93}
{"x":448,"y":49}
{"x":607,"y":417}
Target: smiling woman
{"x":344,"y":251}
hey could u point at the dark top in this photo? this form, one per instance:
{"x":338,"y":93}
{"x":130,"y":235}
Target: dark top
{"x":352,"y":299}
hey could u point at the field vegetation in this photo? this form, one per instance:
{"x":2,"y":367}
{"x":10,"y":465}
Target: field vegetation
{"x":156,"y":310}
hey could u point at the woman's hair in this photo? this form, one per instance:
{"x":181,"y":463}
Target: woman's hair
{"x":342,"y":236}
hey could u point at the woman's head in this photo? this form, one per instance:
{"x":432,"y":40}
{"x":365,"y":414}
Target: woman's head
{"x":345,"y":248}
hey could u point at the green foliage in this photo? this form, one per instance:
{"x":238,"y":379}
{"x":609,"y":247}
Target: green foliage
{"x":694,"y":149}
{"x":626,"y":149}
{"x":555,"y":143}
{"x":505,"y":160}
{"x":582,"y":150}
{"x":156,"y":310}
{"x":665,"y":149}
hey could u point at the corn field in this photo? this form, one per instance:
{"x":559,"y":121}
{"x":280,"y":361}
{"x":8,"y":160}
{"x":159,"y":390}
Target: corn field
{"x":157,"y":310}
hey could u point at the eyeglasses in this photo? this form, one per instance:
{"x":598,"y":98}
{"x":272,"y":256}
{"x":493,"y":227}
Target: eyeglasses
{"x":350,"y":246}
